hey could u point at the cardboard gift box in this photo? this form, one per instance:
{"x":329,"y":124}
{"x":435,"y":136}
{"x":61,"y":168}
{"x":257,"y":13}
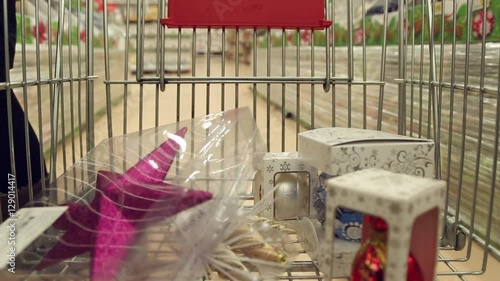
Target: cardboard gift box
{"x":411,"y":206}
{"x":283,"y":186}
{"x":338,"y":151}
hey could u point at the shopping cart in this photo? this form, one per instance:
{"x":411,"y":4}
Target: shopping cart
{"x":92,"y":79}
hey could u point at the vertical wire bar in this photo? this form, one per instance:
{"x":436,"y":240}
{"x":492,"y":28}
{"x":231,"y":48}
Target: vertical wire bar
{"x":57,"y":92}
{"x":79,"y":73}
{"x":209,"y":55}
{"x":436,"y":103}
{"x":49,"y":43}
{"x":9,"y":105}
{"x":71,"y":89}
{"x":63,"y":134}
{"x":402,"y":68}
{"x":178,"y":103}
{"x":223,"y":71}
{"x":51,"y":82}
{"x":90,"y":72}
{"x":159,"y":30}
{"x":350,"y":51}
{"x":193,"y":89}
{"x":429,"y":92}
{"x":141,"y":113}
{"x":141,"y":106}
{"x":106,"y":70}
{"x":365,"y":113}
{"x":441,"y":60}
{"x":382,"y":70}
{"x":141,"y":23}
{"x":126,"y":66}
{"x":405,"y":32}
{"x":328,"y":82}
{"x":313,"y":58}
{"x":141,"y":7}
{"x":441,"y":77}
{"x":140,"y":43}
{"x":26,"y":108}
{"x":51,"y":76}
{"x":223,"y":93}
{"x":61,"y":98}
{"x":179,"y":63}
{"x":237,"y":69}
{"x":39,"y":94}
{"x":479,"y":137}
{"x":452,"y":107}
{"x":71,"y":83}
{"x":464,"y":112}
{"x":254,"y":73}
{"x":429,"y":111}
{"x":412,"y":70}
{"x":332,"y":36}
{"x":297,"y":120}
{"x":162,"y":51}
{"x":193,"y":66}
{"x":283,"y":89}
{"x":494,"y":178}
{"x":209,"y":59}
{"x":350,"y":62}
{"x":268,"y":110}
{"x":420,"y":115}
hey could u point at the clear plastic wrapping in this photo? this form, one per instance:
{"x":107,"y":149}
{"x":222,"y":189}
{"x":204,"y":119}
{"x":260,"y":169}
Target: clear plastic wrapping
{"x":162,"y":204}
{"x":216,"y":241}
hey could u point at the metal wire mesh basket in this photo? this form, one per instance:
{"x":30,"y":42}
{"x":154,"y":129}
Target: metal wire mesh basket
{"x":82,"y":75}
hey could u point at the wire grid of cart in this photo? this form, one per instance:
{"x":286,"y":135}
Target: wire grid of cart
{"x":94,"y":88}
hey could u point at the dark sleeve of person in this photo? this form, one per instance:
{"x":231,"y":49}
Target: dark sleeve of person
{"x":11,"y":37}
{"x":20,"y":153}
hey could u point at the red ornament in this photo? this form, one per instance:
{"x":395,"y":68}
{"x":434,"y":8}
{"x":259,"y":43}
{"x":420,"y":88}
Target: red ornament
{"x":83,"y":35}
{"x":306,"y":37}
{"x":407,"y":28}
{"x":247,"y":35}
{"x":477,"y":24}
{"x":42,"y":33}
{"x":371,"y":259}
{"x":358,"y":36}
{"x":100,"y":6}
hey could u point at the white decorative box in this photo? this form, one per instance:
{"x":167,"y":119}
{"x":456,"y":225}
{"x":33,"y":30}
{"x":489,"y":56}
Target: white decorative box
{"x":412,"y":207}
{"x":283,"y":186}
{"x":338,"y":151}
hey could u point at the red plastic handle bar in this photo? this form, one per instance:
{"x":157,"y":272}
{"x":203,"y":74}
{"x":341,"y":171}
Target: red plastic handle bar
{"x":255,"y":14}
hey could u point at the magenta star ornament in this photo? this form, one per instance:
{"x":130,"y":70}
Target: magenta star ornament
{"x":123,"y":203}
{"x":151,"y":170}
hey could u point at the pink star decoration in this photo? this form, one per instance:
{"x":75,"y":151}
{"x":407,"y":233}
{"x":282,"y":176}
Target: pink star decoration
{"x":122,"y":204}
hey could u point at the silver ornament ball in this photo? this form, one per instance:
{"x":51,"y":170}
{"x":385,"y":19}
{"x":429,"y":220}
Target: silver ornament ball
{"x":291,"y":196}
